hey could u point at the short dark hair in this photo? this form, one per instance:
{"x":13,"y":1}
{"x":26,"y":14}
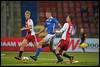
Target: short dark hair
{"x":49,"y":12}
{"x":71,"y":17}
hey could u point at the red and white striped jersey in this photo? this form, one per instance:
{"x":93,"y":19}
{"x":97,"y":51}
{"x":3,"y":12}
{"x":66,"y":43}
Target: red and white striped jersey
{"x":67,"y":31}
{"x":28,"y":23}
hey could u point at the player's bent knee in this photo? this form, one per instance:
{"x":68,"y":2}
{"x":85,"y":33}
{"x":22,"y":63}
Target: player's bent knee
{"x":39,"y":46}
{"x":62,"y":53}
{"x":24,"y":43}
{"x":58,"y":49}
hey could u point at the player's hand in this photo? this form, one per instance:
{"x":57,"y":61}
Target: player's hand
{"x":37,"y":34}
{"x":56,"y":31}
{"x":23,"y":28}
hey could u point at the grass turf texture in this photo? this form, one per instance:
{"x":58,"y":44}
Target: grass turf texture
{"x":49,"y":59}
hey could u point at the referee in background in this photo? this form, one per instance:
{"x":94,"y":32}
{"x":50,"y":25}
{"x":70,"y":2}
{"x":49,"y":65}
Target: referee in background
{"x":82,"y":37}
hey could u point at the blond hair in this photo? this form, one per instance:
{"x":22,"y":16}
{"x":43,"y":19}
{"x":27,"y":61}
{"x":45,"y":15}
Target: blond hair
{"x":27,"y":12}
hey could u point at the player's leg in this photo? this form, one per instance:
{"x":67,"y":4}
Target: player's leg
{"x":41,"y":43}
{"x":39,"y":48}
{"x":23,"y":44}
{"x":59,"y":50}
{"x":51,"y":48}
{"x":65,"y":48}
{"x":22,"y":47}
{"x":58,"y":54}
{"x":82,"y":41}
{"x":51,"y":45}
{"x":34,"y":40}
{"x":83,"y":50}
{"x":50,"y":39}
{"x":68,"y":56}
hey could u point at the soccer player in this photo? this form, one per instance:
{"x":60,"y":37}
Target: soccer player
{"x":50,"y":25}
{"x":82,"y":37}
{"x":30,"y":36}
{"x":62,"y":45}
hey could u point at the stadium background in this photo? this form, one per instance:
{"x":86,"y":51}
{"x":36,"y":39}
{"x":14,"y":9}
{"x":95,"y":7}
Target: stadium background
{"x":86,"y":15}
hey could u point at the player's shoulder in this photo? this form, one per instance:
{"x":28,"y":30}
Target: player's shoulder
{"x":53,"y":18}
{"x":66,"y":24}
{"x":30,"y":20}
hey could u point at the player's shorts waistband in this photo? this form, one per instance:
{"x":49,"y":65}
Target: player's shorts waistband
{"x":51,"y":34}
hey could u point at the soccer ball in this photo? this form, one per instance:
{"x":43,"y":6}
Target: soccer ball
{"x":25,"y":59}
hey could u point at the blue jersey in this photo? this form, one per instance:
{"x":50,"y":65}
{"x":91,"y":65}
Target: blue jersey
{"x":50,"y":24}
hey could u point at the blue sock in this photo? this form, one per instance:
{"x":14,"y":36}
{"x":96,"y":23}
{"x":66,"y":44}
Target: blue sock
{"x":38,"y":52}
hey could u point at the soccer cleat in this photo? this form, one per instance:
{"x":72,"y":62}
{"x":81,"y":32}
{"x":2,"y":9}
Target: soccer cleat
{"x":33,"y":57}
{"x":71,"y":59}
{"x":60,"y":61}
{"x":18,"y":58}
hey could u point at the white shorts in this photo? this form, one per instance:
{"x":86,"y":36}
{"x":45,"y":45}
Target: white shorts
{"x":49,"y":37}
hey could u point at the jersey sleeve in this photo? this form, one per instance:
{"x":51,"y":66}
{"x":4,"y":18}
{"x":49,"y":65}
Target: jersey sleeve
{"x":55,"y":20}
{"x":30,"y":22}
{"x":45,"y":25}
{"x":65,"y":27}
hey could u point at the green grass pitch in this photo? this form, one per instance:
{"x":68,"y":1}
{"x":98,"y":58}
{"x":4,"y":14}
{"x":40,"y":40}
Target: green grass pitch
{"x":49,"y":59}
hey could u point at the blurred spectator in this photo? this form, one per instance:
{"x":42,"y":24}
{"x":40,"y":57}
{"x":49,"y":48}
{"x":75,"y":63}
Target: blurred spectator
{"x":84,"y":8}
{"x":96,"y":6}
{"x":92,"y":19}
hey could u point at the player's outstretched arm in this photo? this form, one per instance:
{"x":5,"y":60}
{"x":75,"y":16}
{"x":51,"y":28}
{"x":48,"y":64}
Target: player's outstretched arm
{"x":62,"y":29}
{"x":59,"y":25}
{"x":56,"y":31}
{"x":26,"y":28}
{"x":40,"y":31}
